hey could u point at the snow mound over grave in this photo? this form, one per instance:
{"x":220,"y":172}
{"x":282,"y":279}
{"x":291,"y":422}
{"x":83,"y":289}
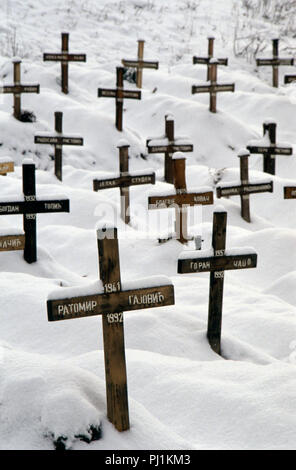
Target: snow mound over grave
{"x":45,"y":403}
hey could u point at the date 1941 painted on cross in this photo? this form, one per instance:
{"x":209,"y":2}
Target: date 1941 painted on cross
{"x":111,"y":302}
{"x":216,"y":261}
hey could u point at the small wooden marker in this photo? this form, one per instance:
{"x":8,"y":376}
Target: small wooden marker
{"x":6,"y":165}
{"x":29,"y":208}
{"x":181,"y":200}
{"x":64,"y":57}
{"x":214,"y":87}
{"x":275,"y":62}
{"x":216,"y":261}
{"x":17,"y":89}
{"x":119,"y":94}
{"x":140,"y":64}
{"x":124,"y":181}
{"x":290,"y":192}
{"x":111,"y":302}
{"x":12,"y":242}
{"x":169,"y":144}
{"x":269,"y":151}
{"x":58,"y":141}
{"x":245,"y":188}
{"x":206,"y":60}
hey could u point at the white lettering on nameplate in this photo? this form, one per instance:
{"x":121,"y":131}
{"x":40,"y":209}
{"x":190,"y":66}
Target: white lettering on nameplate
{"x":76,"y":308}
{"x":146,"y":299}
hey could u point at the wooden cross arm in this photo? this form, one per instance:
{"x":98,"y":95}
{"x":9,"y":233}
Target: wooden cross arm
{"x":270,"y":150}
{"x":216,"y":263}
{"x":289,"y":79}
{"x":17,"y":89}
{"x":58,"y":140}
{"x":173,"y":200}
{"x":104,"y":304}
{"x":290,"y":192}
{"x":12,"y":242}
{"x":106,"y":93}
{"x":124,"y":181}
{"x":171,"y":148}
{"x":60,"y":57}
{"x":244,"y":189}
{"x":6,"y":167}
{"x":143,"y":64}
{"x":274,"y":62}
{"x":34,"y":207}
{"x":131,"y":94}
{"x":206,"y":60}
{"x":213,"y":88}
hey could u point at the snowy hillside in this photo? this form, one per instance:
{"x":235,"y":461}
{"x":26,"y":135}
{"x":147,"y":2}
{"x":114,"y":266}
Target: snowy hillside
{"x":181,"y":394}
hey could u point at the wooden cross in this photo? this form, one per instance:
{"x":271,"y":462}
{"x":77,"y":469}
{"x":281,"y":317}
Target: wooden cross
{"x":110,"y":302}
{"x":289,"y":79}
{"x":6,"y":165}
{"x":140,"y":64}
{"x":269,"y":151}
{"x":206,"y":60}
{"x":168,"y":144}
{"x":275,"y":62}
{"x":124,"y":181}
{"x":216,"y":261}
{"x":214,"y":87}
{"x":290,"y":192}
{"x":119,"y":94}
{"x":58,"y":141}
{"x":12,"y":242}
{"x":64,"y":57}
{"x":17,"y":89}
{"x":181,"y":200}
{"x":245,"y":188}
{"x":29,"y":208}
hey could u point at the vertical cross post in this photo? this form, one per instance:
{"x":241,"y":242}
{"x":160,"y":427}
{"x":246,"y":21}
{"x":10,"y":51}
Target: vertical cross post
{"x":119,"y":98}
{"x":17,"y":82}
{"x":244,"y":175}
{"x":58,"y":149}
{"x":275,"y":68}
{"x":140,"y":59}
{"x":217,"y":283}
{"x":210,"y":54}
{"x":124,"y":191}
{"x":180,"y":210}
{"x":213,"y":65}
{"x":269,"y":159}
{"x":113,"y":333}
{"x":168,"y":164}
{"x":65,"y":64}
{"x":29,"y":220}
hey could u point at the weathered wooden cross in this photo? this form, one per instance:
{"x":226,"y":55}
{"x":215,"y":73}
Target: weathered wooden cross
{"x":64,"y":57}
{"x":119,"y":94}
{"x":275,"y":62}
{"x":269,"y":151}
{"x":124,"y":181}
{"x":169,"y":144}
{"x":140,"y":64}
{"x":290,"y":192}
{"x":245,"y":188}
{"x":29,"y":208}
{"x":17,"y":89}
{"x":214,"y":87}
{"x":206,"y":60}
{"x":58,"y":141}
{"x":181,"y":200}
{"x":216,"y":261}
{"x":6,"y":165}
{"x":13,"y":242}
{"x":111,"y":301}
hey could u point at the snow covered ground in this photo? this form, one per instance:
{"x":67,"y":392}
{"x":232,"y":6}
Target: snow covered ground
{"x":181,"y":394}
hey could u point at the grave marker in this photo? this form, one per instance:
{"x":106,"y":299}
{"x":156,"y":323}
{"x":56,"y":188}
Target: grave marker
{"x":119,"y":94}
{"x":17,"y":89}
{"x":206,"y":60}
{"x":269,"y":151}
{"x":29,"y":208}
{"x":245,"y":188}
{"x":64,"y":57}
{"x":12,"y":242}
{"x":216,"y":261}
{"x":111,"y":302}
{"x":6,"y":165}
{"x":290,"y":192}
{"x":140,"y":64}
{"x":58,"y":141}
{"x":169,"y":144}
{"x":214,"y":87}
{"x":124,"y":181}
{"x":181,"y":200}
{"x":275,"y":62}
